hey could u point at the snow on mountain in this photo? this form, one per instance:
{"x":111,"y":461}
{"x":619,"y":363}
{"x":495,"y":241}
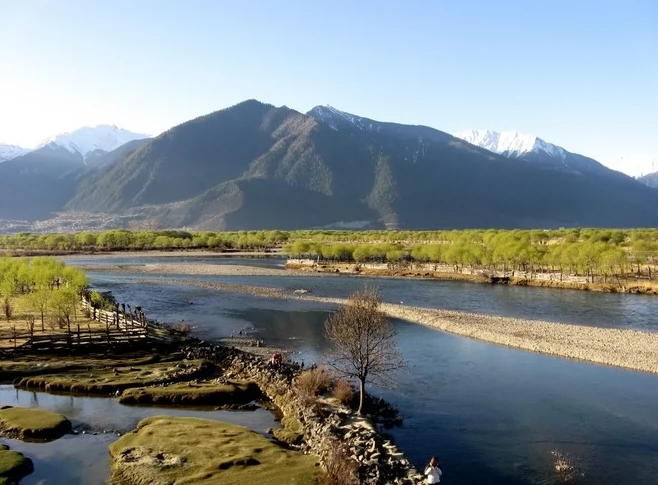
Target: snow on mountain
{"x":510,"y":143}
{"x":87,"y":140}
{"x":332,"y":117}
{"x":7,"y":152}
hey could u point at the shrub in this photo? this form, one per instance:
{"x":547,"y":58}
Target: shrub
{"x":343,"y":391}
{"x":313,"y":382}
{"x":339,"y":467}
{"x":182,"y":328}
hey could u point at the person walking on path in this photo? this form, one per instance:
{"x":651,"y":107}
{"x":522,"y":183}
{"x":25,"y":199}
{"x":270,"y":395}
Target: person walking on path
{"x":433,"y":471}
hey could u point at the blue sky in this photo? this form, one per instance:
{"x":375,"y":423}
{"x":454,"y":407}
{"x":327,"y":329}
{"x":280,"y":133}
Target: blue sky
{"x":582,"y":74}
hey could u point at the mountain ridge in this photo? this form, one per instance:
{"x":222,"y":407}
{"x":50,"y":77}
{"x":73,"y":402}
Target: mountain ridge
{"x":650,"y":180}
{"x":257,"y":166}
{"x":9,"y":152}
{"x":87,"y":139}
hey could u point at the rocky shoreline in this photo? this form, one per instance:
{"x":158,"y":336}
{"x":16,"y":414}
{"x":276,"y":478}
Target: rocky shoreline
{"x":629,"y":349}
{"x":379,"y":460}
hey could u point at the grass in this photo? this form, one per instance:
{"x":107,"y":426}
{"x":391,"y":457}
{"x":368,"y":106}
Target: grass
{"x":58,"y":364}
{"x":166,"y":450}
{"x":205,"y":393}
{"x":13,"y":466}
{"x":109,"y":380}
{"x":33,"y":424}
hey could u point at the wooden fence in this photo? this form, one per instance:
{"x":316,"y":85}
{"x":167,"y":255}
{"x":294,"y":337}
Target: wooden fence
{"x":121,"y":328}
{"x":119,"y":318}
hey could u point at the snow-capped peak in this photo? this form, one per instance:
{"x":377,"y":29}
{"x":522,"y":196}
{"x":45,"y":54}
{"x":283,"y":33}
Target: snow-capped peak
{"x":510,"y":143}
{"x":8,"y":152}
{"x":332,"y":116}
{"x":88,"y":139}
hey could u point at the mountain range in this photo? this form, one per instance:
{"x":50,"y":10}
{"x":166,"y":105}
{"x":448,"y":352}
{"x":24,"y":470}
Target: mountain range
{"x":84,"y":143}
{"x":257,"y":166}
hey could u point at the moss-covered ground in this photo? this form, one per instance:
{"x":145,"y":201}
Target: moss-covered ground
{"x":32,"y":424}
{"x":204,"y":393}
{"x":109,"y":380}
{"x":13,"y":466}
{"x":166,"y":450}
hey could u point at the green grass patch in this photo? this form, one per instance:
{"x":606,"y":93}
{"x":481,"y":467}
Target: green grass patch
{"x":33,"y":424}
{"x":167,"y":450}
{"x":288,"y":436}
{"x":13,"y":466}
{"x":113,"y":379}
{"x":205,"y":393}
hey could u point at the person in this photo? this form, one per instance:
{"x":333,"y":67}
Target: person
{"x":433,"y":471}
{"x":276,"y":360}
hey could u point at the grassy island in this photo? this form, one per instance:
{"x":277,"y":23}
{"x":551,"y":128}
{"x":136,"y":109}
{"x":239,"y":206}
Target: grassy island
{"x":191,"y":394}
{"x":166,"y":450}
{"x":13,"y":466}
{"x":32,"y":424}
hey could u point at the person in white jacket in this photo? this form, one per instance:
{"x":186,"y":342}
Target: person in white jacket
{"x":433,"y":471}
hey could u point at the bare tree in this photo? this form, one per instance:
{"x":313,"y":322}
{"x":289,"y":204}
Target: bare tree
{"x":364,"y":345}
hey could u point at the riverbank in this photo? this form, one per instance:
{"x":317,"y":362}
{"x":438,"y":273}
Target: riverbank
{"x":195,"y":372}
{"x":616,"y":347}
{"x":200,"y":269}
{"x":132,"y":253}
{"x":631,"y":286}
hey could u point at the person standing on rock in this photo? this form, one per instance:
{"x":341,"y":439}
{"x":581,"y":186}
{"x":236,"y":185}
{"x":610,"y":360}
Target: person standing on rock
{"x":433,"y":471}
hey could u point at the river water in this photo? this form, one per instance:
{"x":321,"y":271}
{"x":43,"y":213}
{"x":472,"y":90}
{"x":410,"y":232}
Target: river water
{"x":491,"y":414}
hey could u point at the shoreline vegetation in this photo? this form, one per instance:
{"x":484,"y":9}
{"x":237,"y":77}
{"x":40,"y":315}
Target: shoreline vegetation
{"x":444,"y":273}
{"x":607,"y":260}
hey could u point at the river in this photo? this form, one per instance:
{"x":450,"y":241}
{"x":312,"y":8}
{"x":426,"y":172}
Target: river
{"x":491,"y":414}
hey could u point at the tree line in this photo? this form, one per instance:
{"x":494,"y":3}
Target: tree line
{"x":605,"y":254}
{"x":123,"y":239}
{"x":40,"y":287}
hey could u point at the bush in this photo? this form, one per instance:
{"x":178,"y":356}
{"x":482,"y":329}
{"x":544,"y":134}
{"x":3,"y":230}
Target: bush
{"x":182,"y":328}
{"x":343,"y":391}
{"x":313,"y":382}
{"x":340,"y":468}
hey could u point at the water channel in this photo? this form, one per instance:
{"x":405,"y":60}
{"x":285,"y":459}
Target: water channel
{"x":493,"y":415}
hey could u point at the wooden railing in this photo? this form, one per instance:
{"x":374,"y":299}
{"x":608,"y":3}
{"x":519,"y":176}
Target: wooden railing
{"x":121,"y":328}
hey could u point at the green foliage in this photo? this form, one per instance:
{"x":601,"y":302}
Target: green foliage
{"x":48,"y":283}
{"x":579,"y":251}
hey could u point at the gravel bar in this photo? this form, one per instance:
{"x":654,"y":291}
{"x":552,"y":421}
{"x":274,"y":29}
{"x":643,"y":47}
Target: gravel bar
{"x":629,"y":349}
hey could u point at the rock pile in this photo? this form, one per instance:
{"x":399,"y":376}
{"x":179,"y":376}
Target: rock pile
{"x":321,"y":424}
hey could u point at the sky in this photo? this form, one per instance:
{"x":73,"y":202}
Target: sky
{"x":580,"y":74}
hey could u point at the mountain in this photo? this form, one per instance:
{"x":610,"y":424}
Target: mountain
{"x":532,"y":149}
{"x":256,"y":166}
{"x":651,"y":180}
{"x":44,"y":180}
{"x":37,"y":183}
{"x":7,"y":152}
{"x":92,"y":141}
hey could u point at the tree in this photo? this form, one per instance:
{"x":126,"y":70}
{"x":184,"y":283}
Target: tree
{"x":63,"y":303}
{"x":363,"y":341}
